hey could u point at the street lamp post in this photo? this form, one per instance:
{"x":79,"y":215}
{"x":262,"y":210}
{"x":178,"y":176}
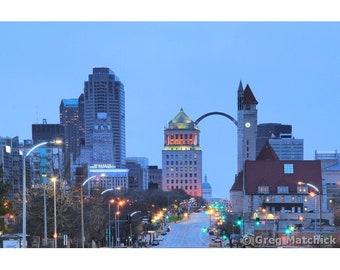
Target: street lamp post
{"x":320,"y":203}
{"x":55,"y":234}
{"x":24,"y":218}
{"x":117,"y":218}
{"x":45,"y":214}
{"x":109,"y":228}
{"x":130,"y":221}
{"x":82,"y":208}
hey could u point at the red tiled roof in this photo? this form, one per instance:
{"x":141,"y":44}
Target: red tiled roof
{"x":271,"y":173}
{"x":238,"y":184}
{"x":249,"y":97}
{"x":267,"y":153}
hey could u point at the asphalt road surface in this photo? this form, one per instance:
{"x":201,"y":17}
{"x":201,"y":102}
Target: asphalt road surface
{"x":187,"y":233}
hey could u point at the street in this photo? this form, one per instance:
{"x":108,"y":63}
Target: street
{"x":187,"y":233}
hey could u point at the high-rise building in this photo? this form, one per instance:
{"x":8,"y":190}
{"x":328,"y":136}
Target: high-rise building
{"x":71,"y":114}
{"x":281,"y":140}
{"x":104,"y":93}
{"x":103,"y":152}
{"x":182,"y":156}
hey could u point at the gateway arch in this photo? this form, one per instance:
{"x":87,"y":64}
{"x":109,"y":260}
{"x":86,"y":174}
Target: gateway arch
{"x":216,"y":113}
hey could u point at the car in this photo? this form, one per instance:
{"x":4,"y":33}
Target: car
{"x":217,"y":240}
{"x":155,"y":242}
{"x":163,"y":233}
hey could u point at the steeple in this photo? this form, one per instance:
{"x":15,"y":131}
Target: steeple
{"x":240,"y":95}
{"x":249,"y":97}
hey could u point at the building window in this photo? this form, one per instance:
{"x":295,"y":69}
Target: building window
{"x":288,"y":168}
{"x":282,"y":189}
{"x":263,"y":189}
{"x":302,"y":189}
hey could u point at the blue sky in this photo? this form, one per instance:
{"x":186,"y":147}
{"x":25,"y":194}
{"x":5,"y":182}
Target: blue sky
{"x":172,"y":55}
{"x":291,"y":67}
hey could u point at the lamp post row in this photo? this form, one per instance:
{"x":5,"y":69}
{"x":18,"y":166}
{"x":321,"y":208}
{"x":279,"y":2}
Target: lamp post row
{"x":117,"y":219}
{"x":24,"y":213}
{"x":24,"y":191}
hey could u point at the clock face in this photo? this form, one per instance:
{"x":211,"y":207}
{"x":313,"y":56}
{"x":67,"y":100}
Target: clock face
{"x":247,"y":125}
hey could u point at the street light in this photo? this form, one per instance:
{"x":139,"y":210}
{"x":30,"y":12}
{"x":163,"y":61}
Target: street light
{"x":45,"y":214}
{"x":109,"y":229}
{"x":55,"y":234}
{"x":320,"y":202}
{"x":119,"y":203}
{"x":82,"y":207}
{"x":130,"y":223}
{"x":24,"y":218}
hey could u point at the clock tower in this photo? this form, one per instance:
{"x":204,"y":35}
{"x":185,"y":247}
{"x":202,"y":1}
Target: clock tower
{"x":247,"y":125}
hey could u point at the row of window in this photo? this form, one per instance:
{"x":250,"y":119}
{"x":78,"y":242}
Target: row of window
{"x":181,"y":175}
{"x":182,"y":187}
{"x":171,"y":169}
{"x":295,"y":199}
{"x":181,"y":181}
{"x":181,"y":142}
{"x":282,"y":189}
{"x":181,"y":156}
{"x":186,"y":162}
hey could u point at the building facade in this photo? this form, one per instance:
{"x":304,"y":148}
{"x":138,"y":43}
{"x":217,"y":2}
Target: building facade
{"x":103,"y":150}
{"x":278,"y":191}
{"x":138,"y":172}
{"x":182,"y":156}
{"x":246,"y":125}
{"x":155,"y":177}
{"x":11,"y":164}
{"x":330,"y":170}
{"x":72,"y":119}
{"x":104,"y":93}
{"x":281,"y":139}
{"x":274,"y":183}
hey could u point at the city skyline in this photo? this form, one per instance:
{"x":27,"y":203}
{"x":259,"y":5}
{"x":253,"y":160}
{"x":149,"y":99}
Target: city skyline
{"x":291,"y":67}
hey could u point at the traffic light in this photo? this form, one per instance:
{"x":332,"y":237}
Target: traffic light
{"x":128,"y":218}
{"x":239,"y":221}
{"x":257,"y":222}
{"x":288,"y":230}
{"x":224,"y":236}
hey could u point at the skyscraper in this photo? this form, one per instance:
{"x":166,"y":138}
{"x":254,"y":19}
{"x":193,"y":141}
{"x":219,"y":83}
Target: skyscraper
{"x":182,"y":156}
{"x":104,"y":93}
{"x":71,"y":114}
